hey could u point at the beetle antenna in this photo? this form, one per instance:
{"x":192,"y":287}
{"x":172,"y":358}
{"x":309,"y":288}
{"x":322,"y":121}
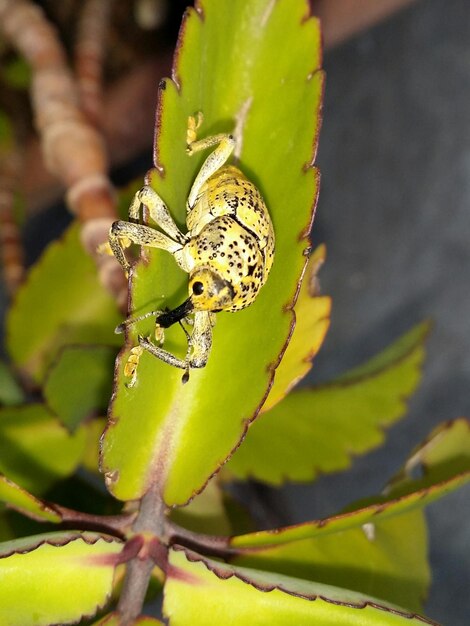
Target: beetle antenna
{"x":133,"y":320}
{"x":165,"y":318}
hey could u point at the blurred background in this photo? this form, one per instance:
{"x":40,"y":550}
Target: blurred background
{"x":393,"y":211}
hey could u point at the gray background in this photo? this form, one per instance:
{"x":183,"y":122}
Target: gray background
{"x":394,"y":212}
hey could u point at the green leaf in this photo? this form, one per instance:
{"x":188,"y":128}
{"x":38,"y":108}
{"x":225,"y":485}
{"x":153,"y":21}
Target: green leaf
{"x":17,"y":73}
{"x":229,"y":65}
{"x":35,"y":449}
{"x":387,"y":559}
{"x":61,"y":303}
{"x":201,"y":591}
{"x":206,"y":513}
{"x":10,"y":391}
{"x":443,"y":456}
{"x":379,"y":548}
{"x":16,"y":497}
{"x":312,"y":320}
{"x":94,"y":429}
{"x":450,"y":444}
{"x":56,"y":577}
{"x":319,"y":429}
{"x":80,"y":383}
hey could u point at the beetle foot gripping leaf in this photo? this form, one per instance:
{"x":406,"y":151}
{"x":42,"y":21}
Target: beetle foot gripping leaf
{"x":130,"y":368}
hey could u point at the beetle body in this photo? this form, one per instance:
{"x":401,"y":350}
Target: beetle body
{"x":231,"y":233}
{"x":228,"y":249}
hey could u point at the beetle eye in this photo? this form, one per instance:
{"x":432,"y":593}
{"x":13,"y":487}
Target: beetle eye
{"x":198,"y":288}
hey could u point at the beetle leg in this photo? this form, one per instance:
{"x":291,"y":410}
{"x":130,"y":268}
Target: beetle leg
{"x":199,"y":345}
{"x":161,"y":354}
{"x":158,"y":212}
{"x":122,"y":234}
{"x":225,"y":144}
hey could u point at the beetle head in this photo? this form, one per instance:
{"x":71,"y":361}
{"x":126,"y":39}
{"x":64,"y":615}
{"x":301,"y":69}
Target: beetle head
{"x":210,"y":292}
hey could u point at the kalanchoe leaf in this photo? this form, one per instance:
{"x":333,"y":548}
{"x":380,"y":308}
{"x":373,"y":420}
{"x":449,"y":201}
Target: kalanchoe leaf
{"x":56,"y":577}
{"x":411,"y":494}
{"x":35,"y":449}
{"x":387,"y":559}
{"x":206,"y":513}
{"x":94,"y":429}
{"x":443,"y":456}
{"x":11,"y":393}
{"x":229,"y":66}
{"x":19,"y":499}
{"x":79,"y":383}
{"x":200,"y":591}
{"x":61,"y":303}
{"x":318,"y":429}
{"x":312,"y":320}
{"x":379,"y":544}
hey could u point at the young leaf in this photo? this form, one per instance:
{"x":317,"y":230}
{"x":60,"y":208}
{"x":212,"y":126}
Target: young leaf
{"x":56,"y":577}
{"x":61,"y":303}
{"x":229,"y":65}
{"x":16,"y":497}
{"x":312,"y":320}
{"x":200,"y":591}
{"x":35,"y":449}
{"x":387,"y":559}
{"x":319,"y":429}
{"x":80,"y":383}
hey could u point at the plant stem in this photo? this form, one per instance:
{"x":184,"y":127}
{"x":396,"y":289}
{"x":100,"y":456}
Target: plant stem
{"x":150,"y":521}
{"x":209,"y":545}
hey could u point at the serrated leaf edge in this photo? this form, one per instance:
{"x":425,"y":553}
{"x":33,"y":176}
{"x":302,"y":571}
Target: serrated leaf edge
{"x":375,"y":509}
{"x":211,"y":566}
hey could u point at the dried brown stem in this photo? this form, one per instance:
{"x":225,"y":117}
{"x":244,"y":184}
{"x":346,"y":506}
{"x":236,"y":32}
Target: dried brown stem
{"x":89,"y":56}
{"x":11,"y":246}
{"x":129,"y":117}
{"x":73,"y":149}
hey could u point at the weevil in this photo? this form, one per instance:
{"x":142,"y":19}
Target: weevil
{"x":227,"y":251}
